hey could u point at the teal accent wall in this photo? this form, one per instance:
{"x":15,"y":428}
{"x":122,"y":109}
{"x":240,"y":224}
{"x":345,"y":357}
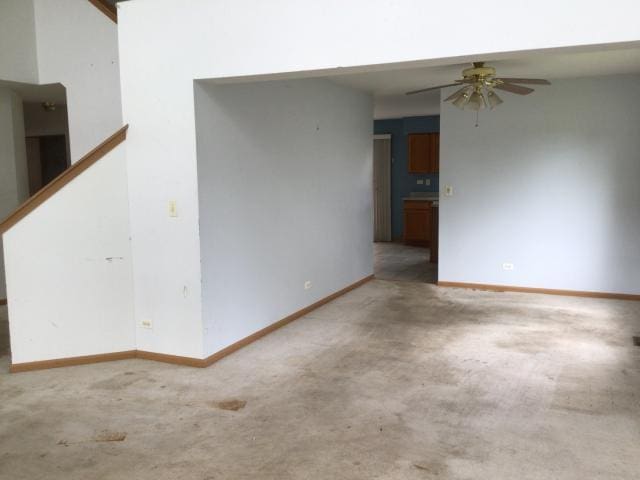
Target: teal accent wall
{"x":403,"y":182}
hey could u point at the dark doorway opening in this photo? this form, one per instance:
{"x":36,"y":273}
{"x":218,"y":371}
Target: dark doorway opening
{"x":47,"y":157}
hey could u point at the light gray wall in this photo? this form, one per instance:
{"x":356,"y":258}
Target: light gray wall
{"x":78,"y":47}
{"x":14,"y":181}
{"x":549,"y":182}
{"x":285,"y":196}
{"x":18,"y":56}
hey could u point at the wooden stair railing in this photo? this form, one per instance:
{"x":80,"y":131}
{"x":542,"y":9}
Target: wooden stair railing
{"x":65,"y":177}
{"x":107,"y":8}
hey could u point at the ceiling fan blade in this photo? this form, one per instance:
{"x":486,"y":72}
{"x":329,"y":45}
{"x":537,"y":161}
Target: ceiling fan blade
{"x":529,"y":81}
{"x":431,"y":88}
{"x":510,"y":87}
{"x":456,"y":93}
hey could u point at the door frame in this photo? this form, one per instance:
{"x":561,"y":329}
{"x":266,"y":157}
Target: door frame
{"x":388,"y":230}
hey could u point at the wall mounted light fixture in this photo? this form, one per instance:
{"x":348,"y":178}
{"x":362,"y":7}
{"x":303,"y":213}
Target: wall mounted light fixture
{"x":49,"y":106}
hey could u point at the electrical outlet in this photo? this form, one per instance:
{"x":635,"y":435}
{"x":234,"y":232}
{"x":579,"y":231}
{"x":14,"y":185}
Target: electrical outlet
{"x":146,"y":323}
{"x":420,"y":182}
{"x":307,"y":285}
{"x":507,"y":266}
{"x":427,"y":181}
{"x":173,"y":208}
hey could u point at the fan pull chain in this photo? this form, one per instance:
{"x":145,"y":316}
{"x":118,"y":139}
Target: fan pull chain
{"x":477,"y":118}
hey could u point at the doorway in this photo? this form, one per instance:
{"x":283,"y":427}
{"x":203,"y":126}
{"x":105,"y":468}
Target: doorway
{"x":382,"y":188}
{"x":47,"y":158}
{"x":407,"y":253}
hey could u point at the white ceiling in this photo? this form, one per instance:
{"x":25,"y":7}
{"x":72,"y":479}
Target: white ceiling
{"x":389,"y":86}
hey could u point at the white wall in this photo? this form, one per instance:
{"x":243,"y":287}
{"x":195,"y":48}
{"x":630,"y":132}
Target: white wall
{"x":14,"y":182}
{"x":69,"y":42}
{"x":401,"y":105}
{"x":244,"y":37}
{"x":18,"y":56}
{"x":284,"y":179}
{"x":78,"y":47}
{"x":548,"y":182}
{"x":72,"y":294}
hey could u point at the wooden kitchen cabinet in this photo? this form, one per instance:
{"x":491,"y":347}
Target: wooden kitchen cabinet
{"x":424,"y":153}
{"x":417,"y":222}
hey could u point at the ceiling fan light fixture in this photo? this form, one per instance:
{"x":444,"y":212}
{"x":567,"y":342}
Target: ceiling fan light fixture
{"x":455,"y":95}
{"x":476,"y":88}
{"x":493,"y":99}
{"x":462,"y":99}
{"x":476,"y":101}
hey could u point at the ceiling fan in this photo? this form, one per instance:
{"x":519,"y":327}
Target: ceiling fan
{"x":478,"y":85}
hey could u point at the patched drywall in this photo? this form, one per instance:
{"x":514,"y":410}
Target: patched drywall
{"x":69,"y":288}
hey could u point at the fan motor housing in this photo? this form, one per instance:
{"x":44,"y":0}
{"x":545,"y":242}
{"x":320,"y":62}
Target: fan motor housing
{"x":481,"y":72}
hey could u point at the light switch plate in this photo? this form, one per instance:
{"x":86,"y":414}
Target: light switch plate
{"x":173,"y":208}
{"x":420,"y":182}
{"x":448,"y":190}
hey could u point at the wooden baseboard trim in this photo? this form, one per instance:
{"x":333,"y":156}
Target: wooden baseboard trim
{"x":178,"y":360}
{"x":3,"y":301}
{"x":173,"y":359}
{"x":546,"y":291}
{"x":71,"y":361}
{"x":281,"y":323}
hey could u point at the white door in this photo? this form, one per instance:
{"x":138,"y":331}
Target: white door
{"x":382,"y":188}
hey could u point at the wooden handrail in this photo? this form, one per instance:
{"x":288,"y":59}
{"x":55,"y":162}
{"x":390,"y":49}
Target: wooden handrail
{"x":65,"y":177}
{"x":107,"y":8}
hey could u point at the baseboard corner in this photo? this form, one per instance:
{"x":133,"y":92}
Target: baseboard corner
{"x":176,"y":359}
{"x":172,"y":359}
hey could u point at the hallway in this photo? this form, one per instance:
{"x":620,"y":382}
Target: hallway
{"x":399,"y":262}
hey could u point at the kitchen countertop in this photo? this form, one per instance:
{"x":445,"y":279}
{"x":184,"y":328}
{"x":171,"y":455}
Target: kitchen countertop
{"x":435,"y":200}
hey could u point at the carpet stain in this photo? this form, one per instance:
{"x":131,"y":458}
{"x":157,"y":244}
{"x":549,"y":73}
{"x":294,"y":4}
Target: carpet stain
{"x":233,"y":404}
{"x":107,"y":436}
{"x":434,"y":468}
